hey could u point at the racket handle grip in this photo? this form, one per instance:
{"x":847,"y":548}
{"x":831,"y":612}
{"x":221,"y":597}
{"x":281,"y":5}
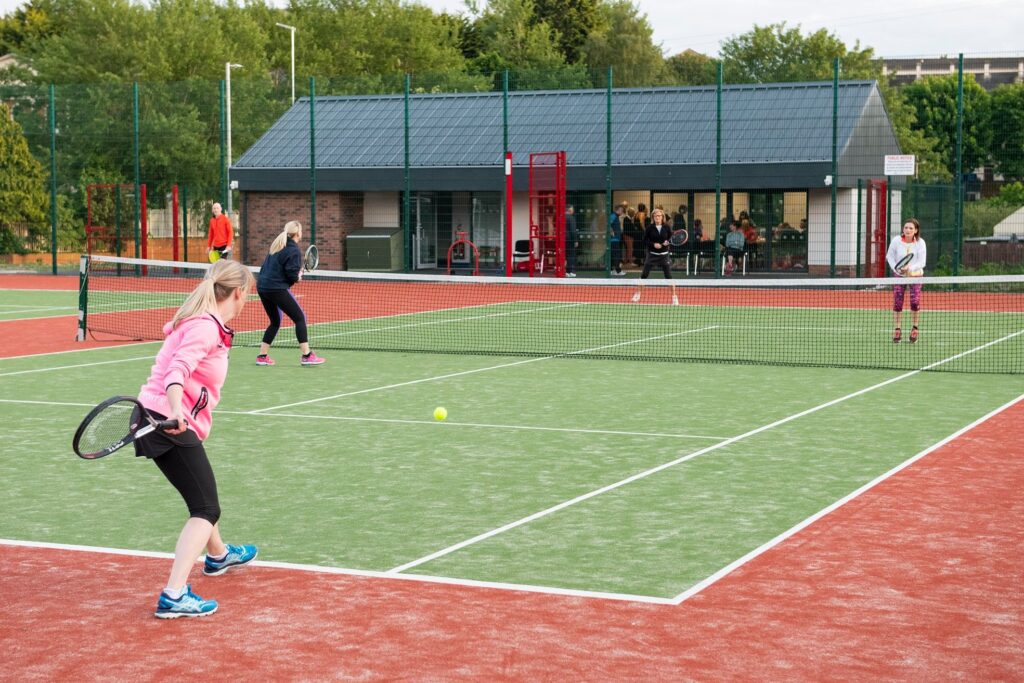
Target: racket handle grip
{"x":164,"y":425}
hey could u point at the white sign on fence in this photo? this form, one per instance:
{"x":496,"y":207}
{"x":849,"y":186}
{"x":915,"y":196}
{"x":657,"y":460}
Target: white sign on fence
{"x":899,"y":164}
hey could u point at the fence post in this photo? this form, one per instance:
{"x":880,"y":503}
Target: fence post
{"x":716,"y":253}
{"x":835,"y":166}
{"x":958,"y":219}
{"x":508,"y":175}
{"x":138,"y":182}
{"x":184,"y":221}
{"x":860,"y":185}
{"x":407,"y":198}
{"x":312,"y":160}
{"x":223,"y":147}
{"x":53,"y":177}
{"x":609,"y":209}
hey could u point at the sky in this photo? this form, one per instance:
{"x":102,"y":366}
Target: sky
{"x":909,"y":28}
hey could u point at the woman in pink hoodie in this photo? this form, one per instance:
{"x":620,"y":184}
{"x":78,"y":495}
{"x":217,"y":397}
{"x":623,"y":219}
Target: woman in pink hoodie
{"x":184,"y":385}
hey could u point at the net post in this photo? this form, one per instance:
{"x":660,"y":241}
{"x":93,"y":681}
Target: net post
{"x":83,"y":295}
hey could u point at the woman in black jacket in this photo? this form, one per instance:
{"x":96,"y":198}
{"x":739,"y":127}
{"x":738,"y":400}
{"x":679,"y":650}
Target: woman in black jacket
{"x":281,"y":269}
{"x":656,"y":241}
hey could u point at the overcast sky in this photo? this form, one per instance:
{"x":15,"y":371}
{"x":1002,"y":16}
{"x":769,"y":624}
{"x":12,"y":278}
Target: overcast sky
{"x":894,"y":29}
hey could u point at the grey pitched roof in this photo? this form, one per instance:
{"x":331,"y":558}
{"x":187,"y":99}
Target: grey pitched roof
{"x":762,"y":124}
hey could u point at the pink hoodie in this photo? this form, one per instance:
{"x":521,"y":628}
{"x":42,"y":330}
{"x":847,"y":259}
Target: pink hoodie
{"x":195,"y":355}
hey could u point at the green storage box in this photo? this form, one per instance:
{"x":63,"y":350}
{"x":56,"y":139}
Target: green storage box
{"x":377,"y":249}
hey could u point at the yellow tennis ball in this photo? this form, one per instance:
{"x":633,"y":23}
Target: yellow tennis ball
{"x":440,"y":413}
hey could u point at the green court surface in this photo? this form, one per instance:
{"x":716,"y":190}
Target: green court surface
{"x":342,"y":465}
{"x":17,"y":304}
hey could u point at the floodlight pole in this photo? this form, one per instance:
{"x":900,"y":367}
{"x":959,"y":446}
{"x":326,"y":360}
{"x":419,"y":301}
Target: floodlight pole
{"x":292,"y":30}
{"x":228,"y":66}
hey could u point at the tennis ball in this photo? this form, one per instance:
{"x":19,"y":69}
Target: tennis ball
{"x":440,"y":413}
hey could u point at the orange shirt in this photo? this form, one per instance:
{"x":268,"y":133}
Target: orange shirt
{"x":221,"y":232}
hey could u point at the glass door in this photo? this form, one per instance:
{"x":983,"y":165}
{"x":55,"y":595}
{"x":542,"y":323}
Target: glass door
{"x":426,"y":230}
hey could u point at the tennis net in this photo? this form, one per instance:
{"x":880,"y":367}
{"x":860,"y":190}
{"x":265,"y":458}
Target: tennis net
{"x":967,"y":324}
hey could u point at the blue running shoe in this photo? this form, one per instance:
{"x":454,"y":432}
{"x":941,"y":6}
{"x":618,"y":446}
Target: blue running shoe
{"x":189,"y":605}
{"x":237,"y":556}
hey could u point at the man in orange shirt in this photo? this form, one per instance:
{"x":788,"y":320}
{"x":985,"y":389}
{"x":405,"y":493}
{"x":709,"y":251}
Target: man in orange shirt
{"x":220,"y":235}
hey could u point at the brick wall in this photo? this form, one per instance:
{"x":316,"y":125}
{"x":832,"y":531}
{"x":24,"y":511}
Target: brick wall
{"x":265,"y":213}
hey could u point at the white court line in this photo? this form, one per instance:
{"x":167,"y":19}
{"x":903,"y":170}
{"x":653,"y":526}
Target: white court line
{"x":714,"y":447}
{"x":28,"y":308}
{"x":731,"y":567}
{"x":471,"y":372}
{"x":114,"y":345}
{"x":451,"y":424}
{"x":368,"y":573}
{"x":443,"y":321}
{"x":413,"y":422}
{"x":80,"y":365}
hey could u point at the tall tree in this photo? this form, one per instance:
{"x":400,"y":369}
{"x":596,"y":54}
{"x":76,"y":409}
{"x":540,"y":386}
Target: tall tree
{"x":23,"y":197}
{"x":514,"y":39}
{"x":934,"y":100}
{"x":622,"y":39}
{"x":1008,"y":130}
{"x":572,"y":19}
{"x":691,"y":68}
{"x":777,"y":54}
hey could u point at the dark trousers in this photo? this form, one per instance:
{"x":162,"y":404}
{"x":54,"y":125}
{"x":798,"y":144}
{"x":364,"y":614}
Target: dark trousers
{"x":663,"y":260}
{"x":280,"y":301}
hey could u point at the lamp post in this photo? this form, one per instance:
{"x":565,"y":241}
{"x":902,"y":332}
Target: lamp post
{"x":228,"y":66}
{"x":292,"y":30}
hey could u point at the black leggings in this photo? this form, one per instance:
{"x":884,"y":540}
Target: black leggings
{"x":183,"y":461}
{"x":274,"y":303}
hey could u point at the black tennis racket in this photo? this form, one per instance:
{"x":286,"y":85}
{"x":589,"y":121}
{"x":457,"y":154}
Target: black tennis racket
{"x":311,"y":259}
{"x":113,"y":424}
{"x":678,"y":238}
{"x":907,"y":258}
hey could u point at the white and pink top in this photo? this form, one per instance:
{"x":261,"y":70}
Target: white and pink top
{"x":194,"y":355}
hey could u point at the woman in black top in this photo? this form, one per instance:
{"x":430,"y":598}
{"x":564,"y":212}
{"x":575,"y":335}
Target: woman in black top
{"x":281,"y":269}
{"x":656,"y":238}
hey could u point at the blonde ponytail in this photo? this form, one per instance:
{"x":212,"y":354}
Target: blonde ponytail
{"x":221,"y":280}
{"x":291,"y":229}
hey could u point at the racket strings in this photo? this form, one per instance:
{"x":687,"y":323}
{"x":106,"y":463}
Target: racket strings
{"x":108,"y":427}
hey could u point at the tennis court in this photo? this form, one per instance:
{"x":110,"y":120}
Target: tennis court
{"x":598,"y":488}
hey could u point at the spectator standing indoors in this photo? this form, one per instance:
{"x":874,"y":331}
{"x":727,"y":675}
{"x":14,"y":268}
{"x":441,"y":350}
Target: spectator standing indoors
{"x":220,"y":235}
{"x":656,"y":237}
{"x":615,"y":239}
{"x":571,"y":242}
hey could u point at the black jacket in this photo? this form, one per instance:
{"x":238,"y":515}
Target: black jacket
{"x":280,"y":270}
{"x":652,"y":235}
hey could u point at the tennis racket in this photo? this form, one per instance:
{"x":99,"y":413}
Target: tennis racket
{"x":904,"y":260}
{"x":214,"y":255}
{"x":312,"y":258}
{"x":678,"y":238}
{"x":113,"y":424}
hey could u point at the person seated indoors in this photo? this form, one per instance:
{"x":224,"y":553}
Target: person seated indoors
{"x":735,"y":243}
